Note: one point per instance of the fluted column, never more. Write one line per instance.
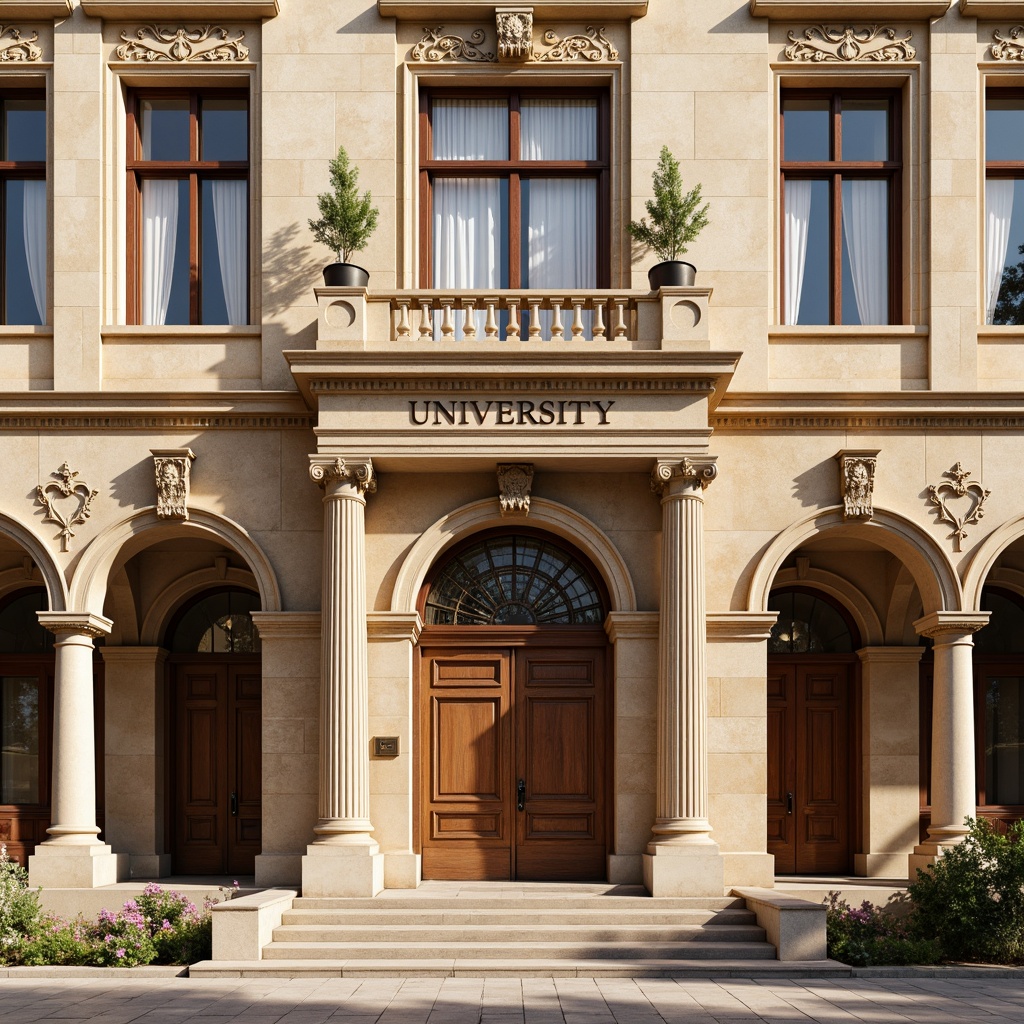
(953, 769)
(73, 856)
(682, 859)
(344, 791)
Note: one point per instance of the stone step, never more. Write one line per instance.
(594, 931)
(599, 904)
(517, 916)
(518, 951)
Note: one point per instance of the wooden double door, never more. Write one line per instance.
(513, 772)
(811, 777)
(215, 765)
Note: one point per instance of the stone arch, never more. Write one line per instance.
(557, 519)
(51, 576)
(163, 608)
(933, 573)
(851, 597)
(985, 557)
(115, 545)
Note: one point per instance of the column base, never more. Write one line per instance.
(402, 870)
(684, 869)
(71, 866)
(927, 853)
(342, 870)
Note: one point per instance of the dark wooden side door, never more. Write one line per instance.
(810, 780)
(216, 771)
(513, 774)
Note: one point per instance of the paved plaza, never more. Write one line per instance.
(165, 1000)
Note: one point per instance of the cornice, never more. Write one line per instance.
(75, 623)
(35, 9)
(992, 8)
(816, 10)
(463, 10)
(160, 9)
(739, 627)
(393, 627)
(288, 625)
(941, 624)
(632, 626)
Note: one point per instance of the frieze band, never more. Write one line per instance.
(507, 413)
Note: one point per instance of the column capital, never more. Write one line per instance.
(330, 472)
(75, 623)
(942, 624)
(676, 477)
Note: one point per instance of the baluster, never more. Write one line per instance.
(534, 319)
(577, 318)
(447, 326)
(620, 318)
(599, 319)
(557, 331)
(512, 332)
(404, 331)
(469, 320)
(426, 320)
(491, 327)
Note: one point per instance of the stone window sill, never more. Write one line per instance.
(817, 9)
(159, 335)
(219, 9)
(543, 10)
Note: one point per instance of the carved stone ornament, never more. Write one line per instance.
(514, 482)
(172, 468)
(67, 503)
(14, 48)
(181, 45)
(438, 47)
(857, 482)
(968, 498)
(515, 33)
(1011, 48)
(702, 471)
(845, 45)
(325, 471)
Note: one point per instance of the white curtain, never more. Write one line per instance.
(998, 214)
(865, 225)
(798, 219)
(34, 227)
(230, 213)
(558, 129)
(159, 237)
(470, 129)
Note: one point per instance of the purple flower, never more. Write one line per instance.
(120, 953)
(166, 926)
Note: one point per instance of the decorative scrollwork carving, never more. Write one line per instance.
(959, 487)
(14, 48)
(68, 505)
(1008, 48)
(436, 47)
(180, 45)
(594, 46)
(326, 472)
(821, 43)
(702, 471)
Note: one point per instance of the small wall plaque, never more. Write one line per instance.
(385, 746)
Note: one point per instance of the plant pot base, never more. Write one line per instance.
(672, 274)
(345, 275)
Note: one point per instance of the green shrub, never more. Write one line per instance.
(871, 935)
(972, 898)
(59, 943)
(19, 908)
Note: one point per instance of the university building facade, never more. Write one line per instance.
(507, 565)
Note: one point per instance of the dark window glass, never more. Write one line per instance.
(1004, 128)
(1004, 740)
(20, 631)
(807, 624)
(19, 740)
(25, 130)
(165, 129)
(224, 129)
(806, 130)
(219, 623)
(865, 129)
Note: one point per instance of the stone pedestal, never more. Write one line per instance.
(344, 859)
(682, 859)
(953, 762)
(73, 857)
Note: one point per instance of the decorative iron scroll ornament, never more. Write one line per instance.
(514, 482)
(968, 493)
(69, 505)
(327, 471)
(701, 470)
(14, 48)
(172, 468)
(181, 45)
(436, 47)
(515, 33)
(821, 43)
(857, 482)
(1009, 49)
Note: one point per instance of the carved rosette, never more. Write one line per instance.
(849, 44)
(67, 502)
(1010, 46)
(514, 482)
(702, 470)
(438, 47)
(857, 482)
(172, 471)
(182, 45)
(328, 472)
(969, 495)
(515, 33)
(14, 48)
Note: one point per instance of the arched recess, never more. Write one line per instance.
(933, 573)
(551, 516)
(154, 625)
(118, 543)
(853, 599)
(985, 557)
(52, 577)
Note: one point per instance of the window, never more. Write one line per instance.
(23, 208)
(188, 191)
(1004, 207)
(841, 167)
(514, 190)
(217, 623)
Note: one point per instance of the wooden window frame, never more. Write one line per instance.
(835, 171)
(514, 170)
(196, 171)
(1012, 169)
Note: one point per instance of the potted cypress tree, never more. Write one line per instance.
(676, 218)
(346, 222)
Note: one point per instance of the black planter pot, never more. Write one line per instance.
(345, 275)
(672, 274)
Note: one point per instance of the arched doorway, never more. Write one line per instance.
(214, 722)
(514, 687)
(812, 748)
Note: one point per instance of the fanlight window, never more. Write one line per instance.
(218, 623)
(514, 581)
(807, 625)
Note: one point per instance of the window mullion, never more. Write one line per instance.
(515, 231)
(836, 299)
(193, 253)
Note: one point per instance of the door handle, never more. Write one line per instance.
(789, 803)
(521, 795)
(234, 805)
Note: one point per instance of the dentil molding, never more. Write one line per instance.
(846, 45)
(798, 9)
(161, 9)
(16, 47)
(181, 45)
